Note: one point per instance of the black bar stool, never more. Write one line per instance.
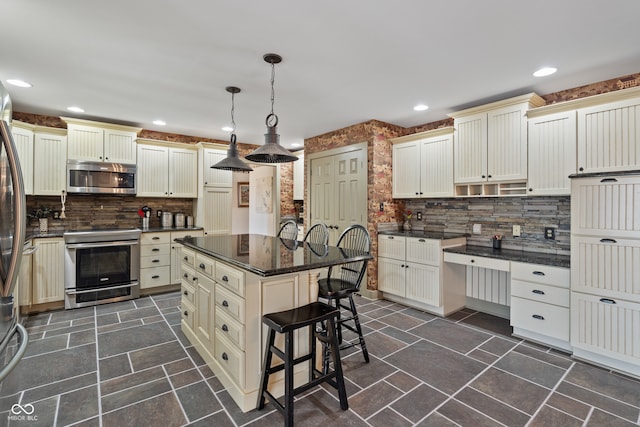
(287, 322)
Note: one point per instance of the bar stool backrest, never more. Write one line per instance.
(353, 237)
(318, 234)
(289, 230)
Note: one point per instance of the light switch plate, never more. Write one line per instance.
(477, 228)
(516, 231)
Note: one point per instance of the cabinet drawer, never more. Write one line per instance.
(539, 292)
(188, 293)
(157, 249)
(152, 277)
(154, 238)
(230, 359)
(187, 313)
(230, 303)
(230, 278)
(544, 319)
(392, 246)
(230, 328)
(188, 275)
(205, 265)
(188, 257)
(545, 274)
(477, 261)
(424, 251)
(155, 261)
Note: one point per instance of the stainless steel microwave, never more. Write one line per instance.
(100, 177)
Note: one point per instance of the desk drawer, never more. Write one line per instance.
(205, 265)
(230, 278)
(230, 359)
(230, 304)
(545, 274)
(477, 261)
(541, 293)
(230, 328)
(544, 319)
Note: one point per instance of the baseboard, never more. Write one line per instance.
(372, 294)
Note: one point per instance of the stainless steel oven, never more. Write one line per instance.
(101, 266)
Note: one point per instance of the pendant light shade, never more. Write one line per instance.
(272, 151)
(232, 162)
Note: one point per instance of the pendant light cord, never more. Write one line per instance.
(272, 119)
(233, 108)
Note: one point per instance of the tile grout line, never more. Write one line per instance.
(98, 387)
(173, 390)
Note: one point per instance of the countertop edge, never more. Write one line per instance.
(529, 257)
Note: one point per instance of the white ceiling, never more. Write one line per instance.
(345, 62)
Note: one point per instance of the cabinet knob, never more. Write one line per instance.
(539, 273)
(581, 169)
(530, 189)
(100, 157)
(186, 313)
(538, 291)
(607, 300)
(106, 158)
(194, 278)
(205, 183)
(225, 328)
(225, 303)
(225, 357)
(483, 176)
(538, 317)
(225, 278)
(201, 266)
(488, 176)
(185, 275)
(608, 241)
(186, 258)
(417, 193)
(421, 192)
(473, 260)
(186, 293)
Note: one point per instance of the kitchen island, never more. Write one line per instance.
(229, 282)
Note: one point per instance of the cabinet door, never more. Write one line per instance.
(321, 192)
(423, 283)
(50, 160)
(183, 173)
(507, 144)
(23, 138)
(298, 177)
(215, 177)
(552, 153)
(217, 210)
(608, 137)
(48, 270)
(24, 279)
(349, 190)
(205, 306)
(406, 170)
(391, 276)
(470, 149)
(85, 143)
(119, 146)
(436, 163)
(153, 163)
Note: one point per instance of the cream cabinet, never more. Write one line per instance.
(214, 210)
(490, 146)
(23, 138)
(423, 165)
(155, 259)
(167, 170)
(540, 301)
(48, 270)
(411, 271)
(552, 152)
(608, 139)
(298, 176)
(176, 252)
(101, 142)
(50, 160)
(25, 283)
(605, 260)
(213, 177)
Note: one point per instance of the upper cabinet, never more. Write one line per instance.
(210, 155)
(23, 134)
(552, 151)
(423, 164)
(490, 146)
(50, 161)
(298, 176)
(166, 169)
(101, 142)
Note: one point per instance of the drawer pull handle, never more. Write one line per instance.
(538, 291)
(537, 316)
(390, 237)
(194, 278)
(201, 266)
(539, 273)
(155, 250)
(225, 328)
(186, 313)
(155, 277)
(608, 180)
(421, 240)
(608, 241)
(225, 278)
(155, 238)
(607, 301)
(186, 293)
(225, 303)
(155, 260)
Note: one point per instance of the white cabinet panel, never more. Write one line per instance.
(507, 144)
(391, 246)
(217, 210)
(424, 251)
(23, 139)
(436, 160)
(423, 283)
(48, 270)
(487, 284)
(298, 177)
(545, 319)
(215, 177)
(406, 170)
(205, 309)
(152, 171)
(470, 149)
(101, 142)
(391, 276)
(183, 173)
(50, 160)
(119, 146)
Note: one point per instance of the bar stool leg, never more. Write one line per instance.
(288, 378)
(265, 368)
(356, 320)
(337, 364)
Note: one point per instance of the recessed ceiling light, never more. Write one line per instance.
(227, 128)
(19, 83)
(421, 107)
(159, 122)
(545, 71)
(75, 109)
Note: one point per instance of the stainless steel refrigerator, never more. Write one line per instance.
(12, 229)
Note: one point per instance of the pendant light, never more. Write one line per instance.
(271, 151)
(232, 162)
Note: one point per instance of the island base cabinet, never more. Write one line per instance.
(606, 332)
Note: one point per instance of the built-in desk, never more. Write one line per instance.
(229, 282)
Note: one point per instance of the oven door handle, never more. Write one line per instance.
(86, 291)
(101, 244)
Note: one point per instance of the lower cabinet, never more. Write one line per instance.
(411, 271)
(48, 270)
(540, 303)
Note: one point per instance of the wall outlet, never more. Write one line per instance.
(419, 216)
(516, 231)
(381, 207)
(477, 228)
(159, 213)
(550, 233)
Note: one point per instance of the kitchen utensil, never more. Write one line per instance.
(189, 221)
(167, 219)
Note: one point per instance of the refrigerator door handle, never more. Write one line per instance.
(23, 339)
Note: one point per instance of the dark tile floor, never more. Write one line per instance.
(129, 364)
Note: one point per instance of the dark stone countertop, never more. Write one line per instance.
(157, 229)
(604, 174)
(436, 235)
(270, 256)
(513, 255)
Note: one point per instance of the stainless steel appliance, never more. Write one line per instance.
(101, 266)
(12, 227)
(100, 177)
